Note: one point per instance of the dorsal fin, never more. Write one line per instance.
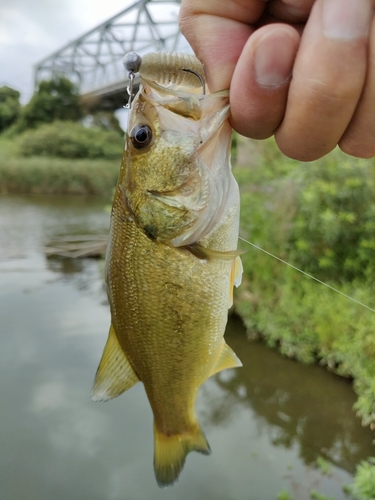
(227, 359)
(115, 374)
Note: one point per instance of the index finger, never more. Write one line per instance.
(217, 32)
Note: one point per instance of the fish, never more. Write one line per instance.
(172, 260)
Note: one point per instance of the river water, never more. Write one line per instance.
(267, 423)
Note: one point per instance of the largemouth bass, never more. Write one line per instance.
(171, 262)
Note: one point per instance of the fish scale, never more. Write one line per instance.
(171, 264)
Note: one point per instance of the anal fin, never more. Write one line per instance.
(226, 359)
(115, 375)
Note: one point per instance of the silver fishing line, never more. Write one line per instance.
(307, 274)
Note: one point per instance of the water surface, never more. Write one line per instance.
(267, 423)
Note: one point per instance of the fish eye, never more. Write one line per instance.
(141, 136)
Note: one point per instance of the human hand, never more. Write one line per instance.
(303, 70)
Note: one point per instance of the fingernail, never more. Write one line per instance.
(346, 19)
(274, 58)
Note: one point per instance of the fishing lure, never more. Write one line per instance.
(164, 69)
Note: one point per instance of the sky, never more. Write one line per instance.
(30, 30)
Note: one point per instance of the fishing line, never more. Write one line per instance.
(307, 274)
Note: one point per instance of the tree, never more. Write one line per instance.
(56, 99)
(105, 120)
(9, 107)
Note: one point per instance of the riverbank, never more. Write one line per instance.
(268, 433)
(54, 175)
(319, 217)
(43, 175)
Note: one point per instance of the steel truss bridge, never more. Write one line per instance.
(94, 61)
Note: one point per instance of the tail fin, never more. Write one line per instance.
(171, 451)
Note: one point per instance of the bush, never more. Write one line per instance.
(318, 217)
(9, 107)
(56, 99)
(364, 481)
(333, 233)
(58, 176)
(71, 140)
(105, 120)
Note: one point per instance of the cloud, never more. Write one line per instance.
(30, 31)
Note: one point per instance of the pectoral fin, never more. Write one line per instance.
(208, 253)
(227, 359)
(115, 375)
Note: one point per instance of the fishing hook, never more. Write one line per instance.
(201, 79)
(132, 62)
(163, 69)
(129, 90)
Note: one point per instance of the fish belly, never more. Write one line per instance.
(169, 311)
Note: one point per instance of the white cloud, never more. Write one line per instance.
(30, 31)
(74, 426)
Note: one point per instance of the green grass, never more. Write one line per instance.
(60, 158)
(38, 175)
(51, 175)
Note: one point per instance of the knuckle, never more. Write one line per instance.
(186, 17)
(335, 92)
(358, 148)
(300, 152)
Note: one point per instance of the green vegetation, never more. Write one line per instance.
(333, 233)
(58, 176)
(319, 217)
(105, 120)
(36, 142)
(54, 100)
(10, 107)
(364, 482)
(61, 158)
(284, 495)
(314, 495)
(323, 465)
(71, 140)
